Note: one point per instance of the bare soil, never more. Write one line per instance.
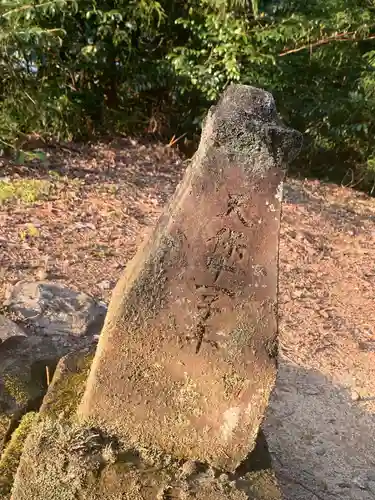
(321, 422)
(101, 200)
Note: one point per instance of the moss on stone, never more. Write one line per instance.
(28, 382)
(23, 380)
(28, 386)
(18, 388)
(61, 461)
(68, 384)
(4, 424)
(11, 456)
(66, 460)
(21, 393)
(260, 485)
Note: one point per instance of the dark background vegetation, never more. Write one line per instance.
(76, 69)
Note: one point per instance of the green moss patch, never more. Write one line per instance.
(12, 454)
(68, 385)
(17, 388)
(25, 190)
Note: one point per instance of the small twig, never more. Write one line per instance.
(63, 147)
(343, 179)
(29, 96)
(7, 144)
(354, 184)
(325, 41)
(287, 477)
(48, 376)
(173, 141)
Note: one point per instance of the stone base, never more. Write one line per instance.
(65, 460)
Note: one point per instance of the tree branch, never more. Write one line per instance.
(340, 37)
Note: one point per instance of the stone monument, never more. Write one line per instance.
(186, 360)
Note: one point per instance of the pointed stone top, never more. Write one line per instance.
(245, 123)
(250, 101)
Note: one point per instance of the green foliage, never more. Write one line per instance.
(317, 58)
(68, 64)
(73, 68)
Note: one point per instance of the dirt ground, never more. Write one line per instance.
(321, 421)
(91, 206)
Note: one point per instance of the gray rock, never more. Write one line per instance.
(9, 329)
(23, 377)
(54, 309)
(58, 321)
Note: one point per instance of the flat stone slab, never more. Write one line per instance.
(187, 357)
(68, 384)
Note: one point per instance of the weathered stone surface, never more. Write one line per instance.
(64, 461)
(54, 309)
(60, 403)
(68, 384)
(9, 329)
(57, 321)
(187, 357)
(23, 379)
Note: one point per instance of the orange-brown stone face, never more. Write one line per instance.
(187, 358)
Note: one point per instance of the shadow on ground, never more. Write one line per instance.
(321, 441)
